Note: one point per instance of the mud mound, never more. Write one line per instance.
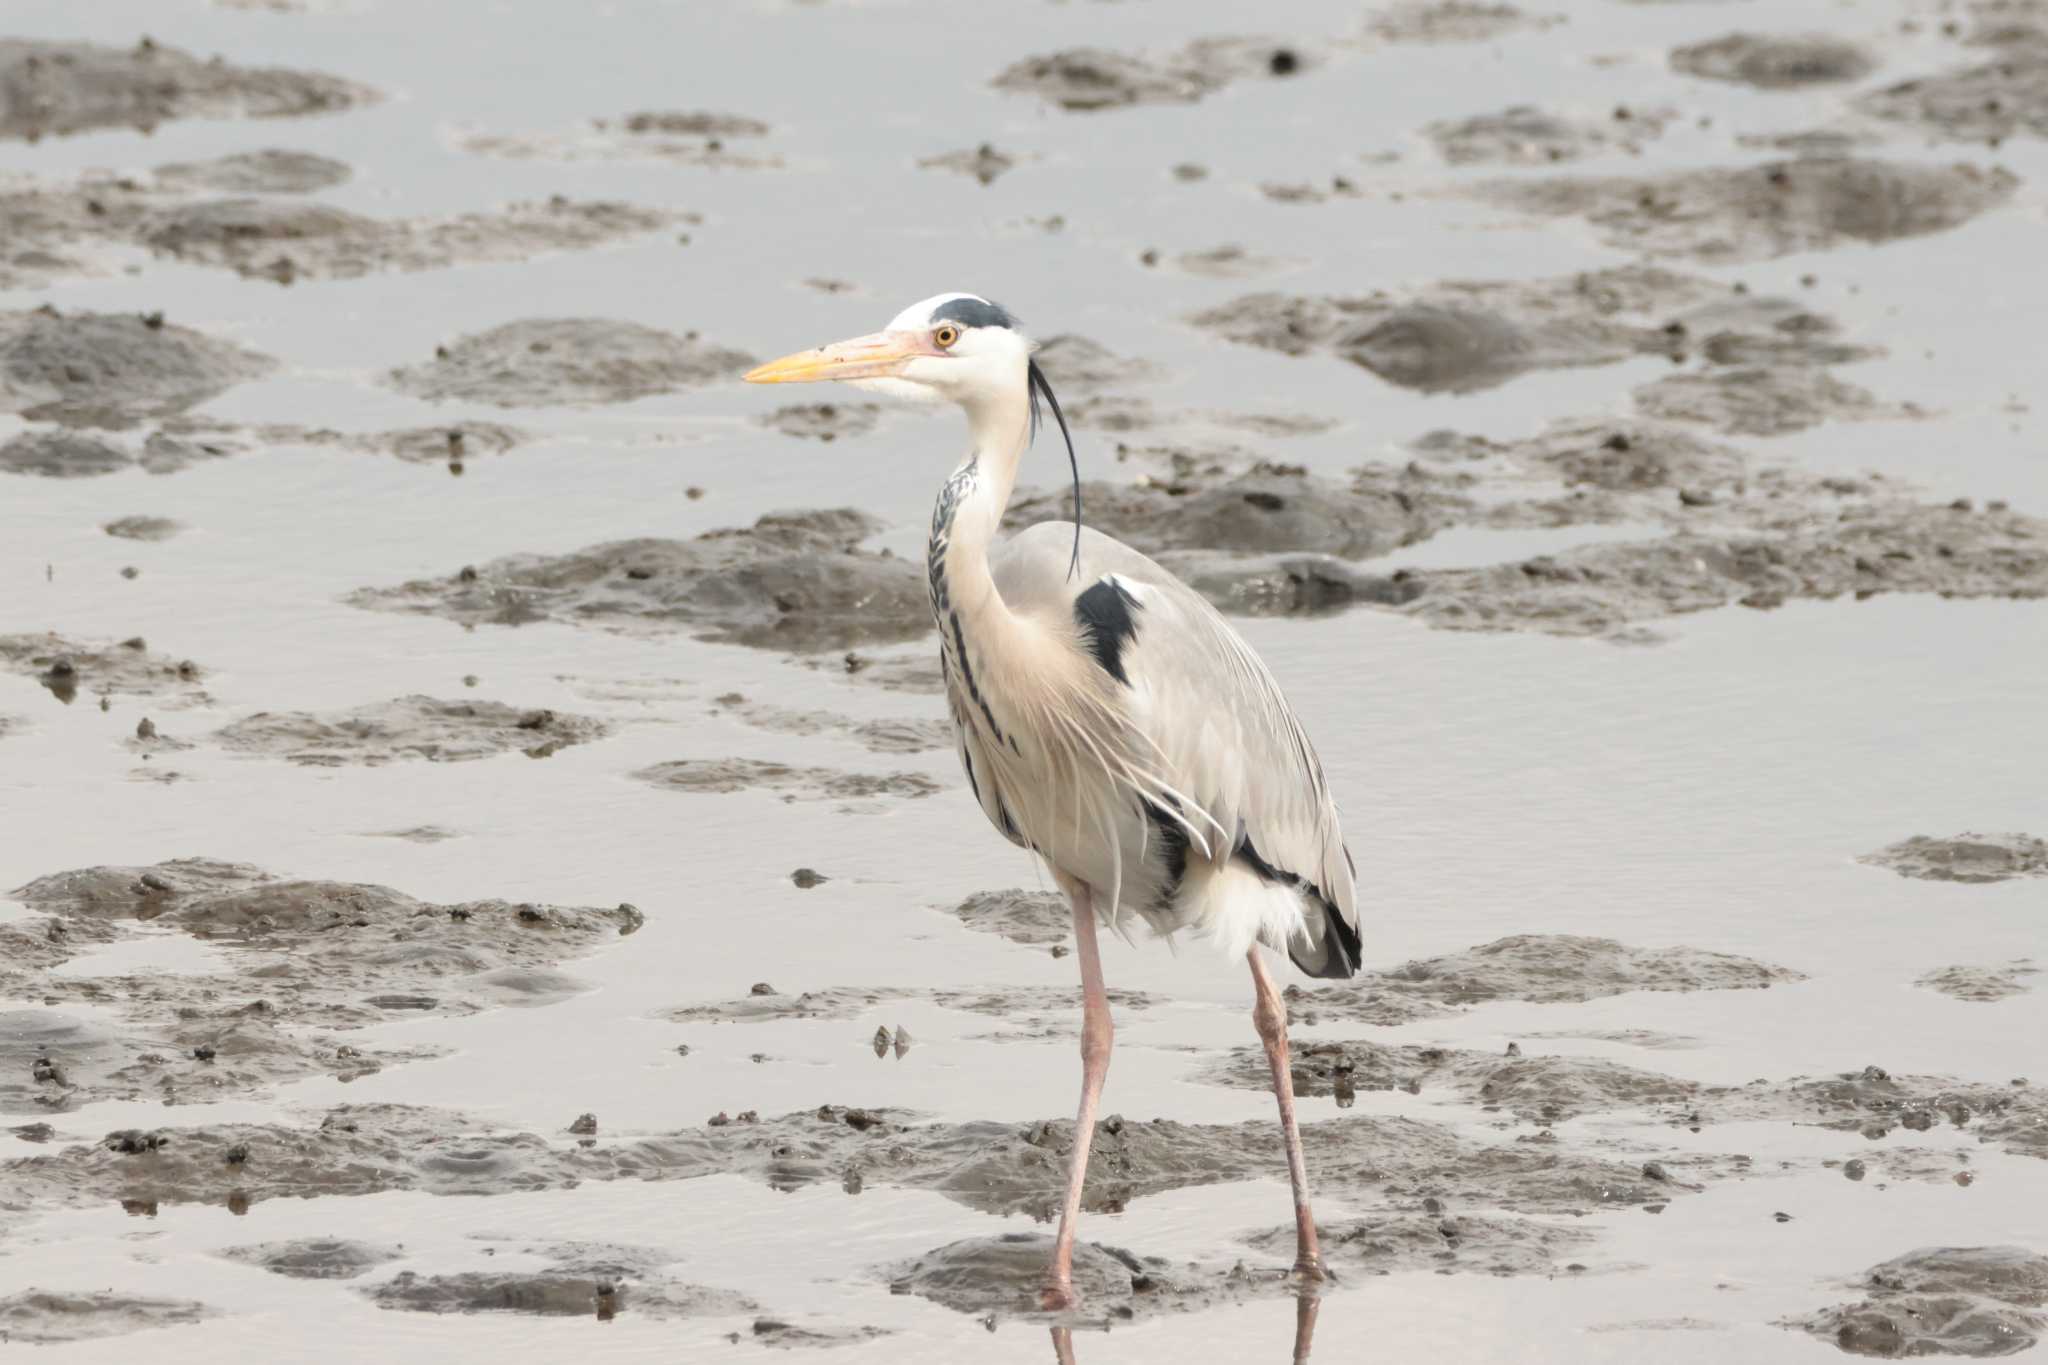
(1874, 1102)
(1778, 61)
(1981, 984)
(59, 454)
(1034, 917)
(42, 1317)
(67, 667)
(1965, 858)
(408, 727)
(722, 775)
(315, 1258)
(1523, 135)
(1758, 212)
(550, 362)
(55, 88)
(1453, 21)
(1087, 79)
(1462, 336)
(143, 528)
(1409, 1243)
(1000, 1276)
(1267, 509)
(793, 580)
(1760, 400)
(283, 240)
(1987, 103)
(876, 736)
(270, 171)
(555, 1294)
(112, 369)
(1959, 1301)
(823, 421)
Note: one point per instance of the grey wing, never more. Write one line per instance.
(1206, 705)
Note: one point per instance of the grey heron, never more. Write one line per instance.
(1109, 719)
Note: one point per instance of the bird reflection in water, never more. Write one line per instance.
(1306, 1305)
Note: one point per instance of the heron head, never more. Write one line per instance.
(952, 348)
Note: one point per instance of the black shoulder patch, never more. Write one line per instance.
(973, 312)
(1104, 614)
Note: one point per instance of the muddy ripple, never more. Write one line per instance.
(1981, 985)
(55, 88)
(793, 580)
(549, 362)
(1959, 1301)
(315, 1258)
(1974, 858)
(408, 727)
(42, 1317)
(1779, 61)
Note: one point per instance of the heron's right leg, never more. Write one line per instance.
(1096, 1035)
(1269, 1016)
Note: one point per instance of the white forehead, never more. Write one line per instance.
(919, 315)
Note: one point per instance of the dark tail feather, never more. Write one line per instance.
(1334, 953)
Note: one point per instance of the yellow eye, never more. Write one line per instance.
(945, 336)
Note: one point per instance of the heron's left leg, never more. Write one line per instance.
(1269, 1014)
(1097, 1032)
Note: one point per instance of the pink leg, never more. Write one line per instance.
(1063, 1346)
(1096, 1034)
(1269, 1014)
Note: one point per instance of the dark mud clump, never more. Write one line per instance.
(876, 736)
(1955, 1301)
(1775, 61)
(54, 88)
(1759, 212)
(284, 241)
(1442, 1244)
(1544, 968)
(315, 1258)
(1462, 336)
(270, 171)
(984, 163)
(408, 727)
(1039, 918)
(1974, 858)
(1523, 135)
(793, 580)
(56, 453)
(1268, 509)
(823, 421)
(1453, 21)
(1000, 1276)
(112, 369)
(1986, 103)
(723, 775)
(1760, 400)
(548, 362)
(68, 667)
(41, 1317)
(142, 528)
(1087, 79)
(1981, 985)
(298, 956)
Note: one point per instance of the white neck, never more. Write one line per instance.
(970, 506)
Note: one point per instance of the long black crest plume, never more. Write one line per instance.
(1037, 385)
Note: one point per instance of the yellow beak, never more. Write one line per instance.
(869, 357)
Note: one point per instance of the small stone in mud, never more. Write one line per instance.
(1032, 917)
(881, 1041)
(1973, 858)
(984, 163)
(111, 369)
(585, 1125)
(549, 362)
(805, 878)
(59, 87)
(1964, 1301)
(41, 1317)
(140, 528)
(408, 727)
(1778, 61)
(1089, 79)
(270, 171)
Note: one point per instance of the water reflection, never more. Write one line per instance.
(1306, 1305)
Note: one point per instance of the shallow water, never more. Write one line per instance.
(1711, 790)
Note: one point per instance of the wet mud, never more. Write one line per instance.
(47, 1317)
(1756, 400)
(1453, 21)
(69, 668)
(112, 369)
(999, 1277)
(1439, 1244)
(1974, 858)
(912, 736)
(823, 421)
(793, 580)
(316, 1258)
(582, 1281)
(1036, 918)
(408, 727)
(1942, 1301)
(551, 362)
(1983, 103)
(985, 163)
(1780, 61)
(1759, 212)
(719, 776)
(677, 137)
(1981, 984)
(52, 89)
(1092, 79)
(270, 171)
(1524, 135)
(143, 528)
